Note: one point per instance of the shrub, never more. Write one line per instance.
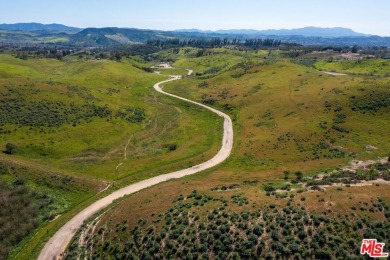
(322, 254)
(340, 118)
(172, 147)
(3, 169)
(203, 84)
(340, 129)
(209, 101)
(299, 175)
(268, 188)
(10, 148)
(286, 174)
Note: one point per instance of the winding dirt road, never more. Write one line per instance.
(334, 73)
(57, 244)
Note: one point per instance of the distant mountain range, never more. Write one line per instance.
(306, 31)
(114, 36)
(35, 33)
(37, 27)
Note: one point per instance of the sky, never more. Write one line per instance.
(364, 16)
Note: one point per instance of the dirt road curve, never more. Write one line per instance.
(58, 243)
(334, 73)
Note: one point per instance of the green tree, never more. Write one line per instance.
(299, 175)
(118, 56)
(10, 148)
(286, 174)
(323, 254)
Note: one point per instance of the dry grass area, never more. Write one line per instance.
(144, 217)
(334, 201)
(340, 200)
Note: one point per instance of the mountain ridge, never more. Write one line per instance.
(113, 36)
(37, 27)
(309, 31)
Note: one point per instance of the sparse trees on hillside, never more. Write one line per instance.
(218, 42)
(191, 231)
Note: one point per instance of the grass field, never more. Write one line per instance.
(286, 117)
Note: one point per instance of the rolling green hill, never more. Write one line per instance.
(74, 130)
(55, 111)
(285, 110)
(76, 127)
(282, 193)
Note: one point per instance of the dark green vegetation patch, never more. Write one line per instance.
(21, 211)
(30, 198)
(373, 101)
(48, 113)
(15, 109)
(267, 233)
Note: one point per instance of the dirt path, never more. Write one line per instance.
(57, 244)
(334, 73)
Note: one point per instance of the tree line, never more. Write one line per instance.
(218, 42)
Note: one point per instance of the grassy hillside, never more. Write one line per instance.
(376, 67)
(210, 62)
(275, 197)
(289, 115)
(81, 116)
(94, 122)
